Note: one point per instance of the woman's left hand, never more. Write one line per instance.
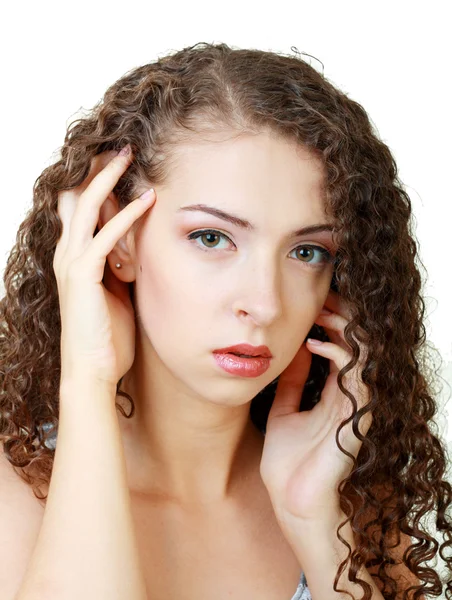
(301, 465)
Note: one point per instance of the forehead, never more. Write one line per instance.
(262, 160)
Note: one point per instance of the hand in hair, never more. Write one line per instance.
(97, 317)
(301, 463)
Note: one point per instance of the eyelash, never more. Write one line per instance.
(327, 257)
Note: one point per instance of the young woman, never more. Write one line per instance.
(251, 213)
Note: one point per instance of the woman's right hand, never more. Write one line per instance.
(97, 322)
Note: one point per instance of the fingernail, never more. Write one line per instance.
(315, 342)
(147, 195)
(125, 151)
(325, 311)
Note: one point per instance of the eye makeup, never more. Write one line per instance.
(326, 257)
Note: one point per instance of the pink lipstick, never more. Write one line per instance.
(243, 360)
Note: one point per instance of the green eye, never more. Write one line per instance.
(325, 255)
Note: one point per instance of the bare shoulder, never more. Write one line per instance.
(21, 516)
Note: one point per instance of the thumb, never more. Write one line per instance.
(291, 383)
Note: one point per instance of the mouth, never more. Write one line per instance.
(246, 351)
(235, 362)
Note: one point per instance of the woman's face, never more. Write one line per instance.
(257, 284)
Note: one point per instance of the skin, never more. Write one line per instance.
(191, 440)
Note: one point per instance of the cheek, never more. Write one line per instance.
(307, 294)
(173, 309)
(170, 300)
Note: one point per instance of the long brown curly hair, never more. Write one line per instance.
(199, 88)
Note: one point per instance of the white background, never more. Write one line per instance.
(392, 57)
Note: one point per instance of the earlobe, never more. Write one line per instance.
(120, 255)
(124, 272)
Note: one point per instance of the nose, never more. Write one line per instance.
(259, 295)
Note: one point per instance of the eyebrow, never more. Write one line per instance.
(244, 224)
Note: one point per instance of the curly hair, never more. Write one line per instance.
(198, 89)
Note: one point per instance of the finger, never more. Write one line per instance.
(290, 384)
(68, 199)
(98, 162)
(104, 242)
(86, 215)
(335, 326)
(336, 303)
(66, 209)
(339, 358)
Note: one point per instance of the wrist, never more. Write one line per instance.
(308, 530)
(82, 385)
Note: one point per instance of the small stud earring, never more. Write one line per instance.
(118, 265)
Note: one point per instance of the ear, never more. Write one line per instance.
(120, 253)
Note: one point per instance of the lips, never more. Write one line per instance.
(245, 350)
